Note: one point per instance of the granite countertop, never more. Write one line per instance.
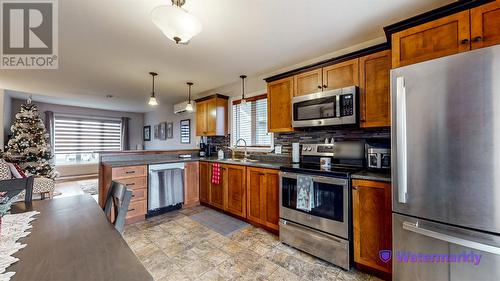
(371, 175)
(259, 164)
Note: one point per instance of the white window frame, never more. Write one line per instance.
(232, 140)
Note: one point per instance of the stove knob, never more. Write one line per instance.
(304, 148)
(309, 148)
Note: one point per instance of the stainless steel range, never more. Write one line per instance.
(323, 227)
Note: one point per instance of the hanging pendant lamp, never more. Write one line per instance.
(189, 105)
(243, 99)
(152, 99)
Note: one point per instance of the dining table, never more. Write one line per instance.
(72, 240)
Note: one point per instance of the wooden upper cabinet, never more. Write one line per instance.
(235, 190)
(308, 82)
(485, 25)
(374, 79)
(442, 37)
(204, 182)
(341, 75)
(191, 184)
(201, 118)
(263, 196)
(211, 116)
(279, 105)
(372, 222)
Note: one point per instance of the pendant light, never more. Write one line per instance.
(243, 99)
(175, 22)
(152, 99)
(189, 105)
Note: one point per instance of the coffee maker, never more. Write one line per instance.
(206, 149)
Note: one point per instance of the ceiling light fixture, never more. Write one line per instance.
(243, 99)
(189, 105)
(175, 22)
(152, 99)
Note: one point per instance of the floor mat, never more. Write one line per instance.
(219, 222)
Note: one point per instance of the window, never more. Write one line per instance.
(76, 138)
(249, 122)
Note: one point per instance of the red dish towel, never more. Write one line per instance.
(215, 173)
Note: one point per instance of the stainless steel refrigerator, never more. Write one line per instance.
(446, 168)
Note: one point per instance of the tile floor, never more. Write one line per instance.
(175, 247)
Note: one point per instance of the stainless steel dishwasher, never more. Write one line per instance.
(165, 188)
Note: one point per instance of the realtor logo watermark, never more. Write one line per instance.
(413, 257)
(29, 37)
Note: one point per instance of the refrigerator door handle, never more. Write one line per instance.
(402, 169)
(414, 227)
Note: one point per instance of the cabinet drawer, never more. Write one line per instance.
(135, 183)
(129, 172)
(139, 194)
(137, 208)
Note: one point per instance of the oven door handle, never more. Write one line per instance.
(320, 179)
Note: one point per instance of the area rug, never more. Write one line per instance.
(89, 186)
(219, 222)
(14, 227)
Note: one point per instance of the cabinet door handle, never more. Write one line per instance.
(131, 184)
(478, 39)
(464, 41)
(131, 210)
(319, 87)
(130, 172)
(355, 187)
(325, 86)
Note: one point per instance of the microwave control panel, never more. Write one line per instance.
(346, 105)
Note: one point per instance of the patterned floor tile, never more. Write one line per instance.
(175, 247)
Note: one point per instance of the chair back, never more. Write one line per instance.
(15, 186)
(117, 202)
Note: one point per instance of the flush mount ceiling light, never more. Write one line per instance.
(189, 105)
(243, 99)
(152, 99)
(175, 22)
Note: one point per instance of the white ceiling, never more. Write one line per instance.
(108, 47)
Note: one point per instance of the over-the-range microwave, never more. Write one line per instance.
(334, 107)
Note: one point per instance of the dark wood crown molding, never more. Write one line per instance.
(435, 14)
(339, 59)
(211, 97)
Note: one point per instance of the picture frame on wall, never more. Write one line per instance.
(185, 131)
(157, 132)
(170, 130)
(146, 134)
(163, 131)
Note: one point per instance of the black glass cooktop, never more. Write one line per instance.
(309, 168)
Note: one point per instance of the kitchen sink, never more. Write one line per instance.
(244, 160)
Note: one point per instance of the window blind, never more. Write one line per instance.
(74, 134)
(250, 122)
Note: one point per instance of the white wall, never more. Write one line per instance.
(135, 124)
(165, 113)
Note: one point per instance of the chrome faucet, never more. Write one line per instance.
(245, 142)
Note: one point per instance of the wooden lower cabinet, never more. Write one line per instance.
(372, 223)
(235, 189)
(191, 184)
(263, 196)
(216, 190)
(204, 182)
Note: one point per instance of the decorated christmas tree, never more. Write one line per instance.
(29, 145)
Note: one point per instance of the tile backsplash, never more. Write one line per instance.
(309, 135)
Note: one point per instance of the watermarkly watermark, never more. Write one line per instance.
(29, 37)
(469, 257)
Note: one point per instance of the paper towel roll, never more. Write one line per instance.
(295, 152)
